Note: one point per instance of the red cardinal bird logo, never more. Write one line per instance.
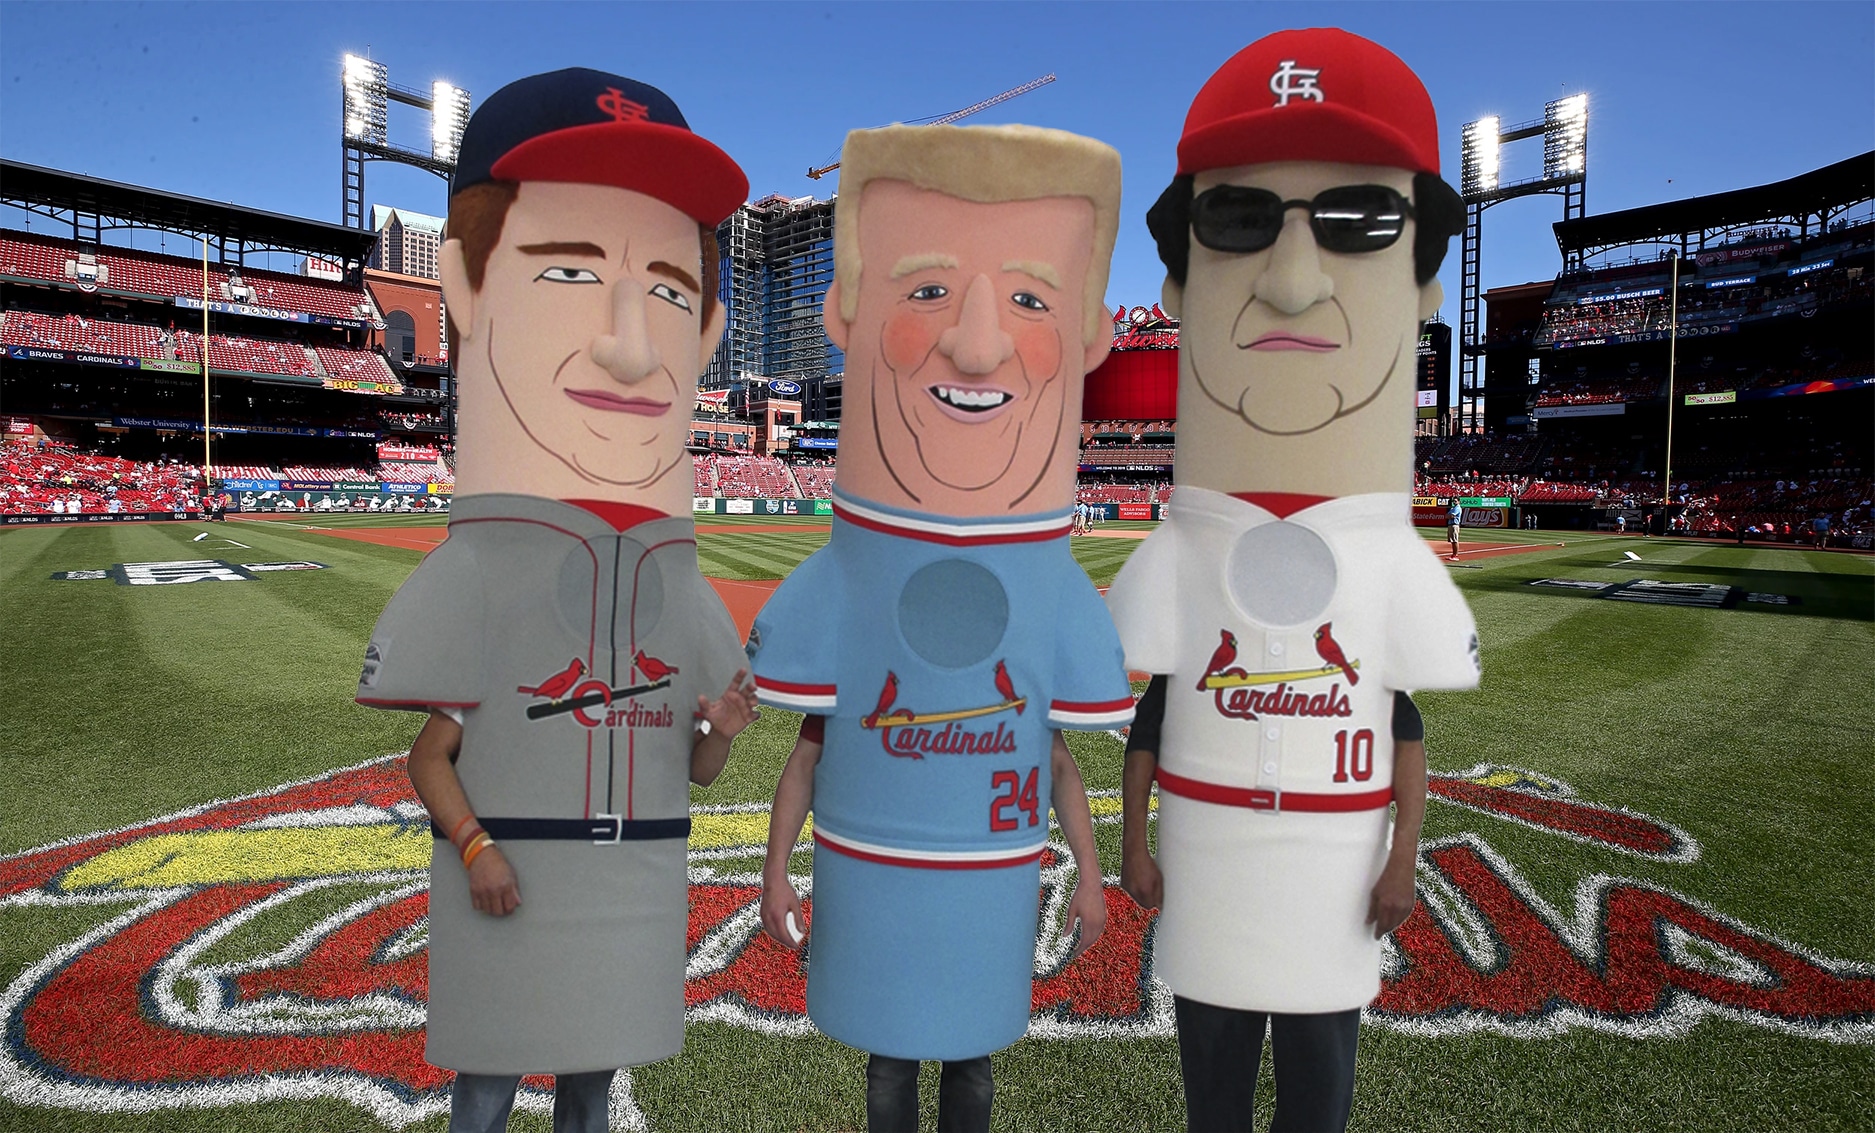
(651, 667)
(560, 683)
(1220, 660)
(887, 694)
(1331, 653)
(1007, 687)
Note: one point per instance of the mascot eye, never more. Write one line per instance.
(665, 292)
(567, 275)
(931, 292)
(1026, 299)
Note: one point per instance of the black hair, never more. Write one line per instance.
(1439, 216)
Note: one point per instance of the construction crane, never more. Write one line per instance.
(957, 115)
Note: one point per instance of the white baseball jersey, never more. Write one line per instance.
(1283, 641)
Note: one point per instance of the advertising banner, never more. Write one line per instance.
(379, 387)
(102, 517)
(1611, 296)
(37, 354)
(394, 450)
(817, 442)
(1485, 501)
(355, 485)
(1798, 389)
(1724, 397)
(233, 485)
(441, 489)
(404, 489)
(17, 425)
(1733, 255)
(739, 507)
(823, 507)
(1134, 511)
(168, 366)
(306, 485)
(1487, 517)
(250, 309)
(703, 503)
(1604, 409)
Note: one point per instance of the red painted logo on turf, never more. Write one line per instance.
(272, 947)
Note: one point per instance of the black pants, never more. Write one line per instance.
(965, 1090)
(1219, 1049)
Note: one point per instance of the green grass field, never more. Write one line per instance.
(1747, 728)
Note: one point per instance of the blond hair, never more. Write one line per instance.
(985, 164)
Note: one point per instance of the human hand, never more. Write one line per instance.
(735, 710)
(779, 903)
(1140, 877)
(1393, 897)
(1089, 907)
(492, 887)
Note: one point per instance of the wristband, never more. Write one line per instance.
(479, 842)
(457, 832)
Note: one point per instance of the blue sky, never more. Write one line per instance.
(240, 102)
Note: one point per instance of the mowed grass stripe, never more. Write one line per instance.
(131, 701)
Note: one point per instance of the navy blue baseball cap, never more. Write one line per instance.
(592, 128)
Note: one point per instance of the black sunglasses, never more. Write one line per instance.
(1347, 219)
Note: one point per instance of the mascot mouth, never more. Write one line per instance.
(968, 401)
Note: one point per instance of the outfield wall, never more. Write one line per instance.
(100, 517)
(717, 505)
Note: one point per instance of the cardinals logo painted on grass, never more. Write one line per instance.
(271, 947)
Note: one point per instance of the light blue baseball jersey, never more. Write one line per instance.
(943, 652)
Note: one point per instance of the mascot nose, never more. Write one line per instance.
(627, 353)
(977, 344)
(1293, 280)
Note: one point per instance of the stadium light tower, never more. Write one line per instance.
(365, 128)
(1564, 128)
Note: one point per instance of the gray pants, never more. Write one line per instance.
(479, 1103)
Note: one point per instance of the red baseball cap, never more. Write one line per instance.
(595, 128)
(1315, 94)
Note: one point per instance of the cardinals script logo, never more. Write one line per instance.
(570, 691)
(913, 735)
(1244, 695)
(272, 947)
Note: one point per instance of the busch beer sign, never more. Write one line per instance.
(273, 947)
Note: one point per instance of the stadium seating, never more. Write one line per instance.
(816, 480)
(343, 363)
(33, 476)
(70, 332)
(759, 476)
(164, 277)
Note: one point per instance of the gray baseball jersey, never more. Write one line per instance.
(574, 654)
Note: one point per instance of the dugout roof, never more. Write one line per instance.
(1820, 191)
(39, 189)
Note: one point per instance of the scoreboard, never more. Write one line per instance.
(1434, 372)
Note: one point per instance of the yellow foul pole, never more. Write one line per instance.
(207, 465)
(1673, 356)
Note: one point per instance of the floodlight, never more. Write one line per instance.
(1565, 136)
(366, 103)
(1478, 161)
(449, 113)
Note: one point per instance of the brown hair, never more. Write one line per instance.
(476, 217)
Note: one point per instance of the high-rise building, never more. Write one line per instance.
(777, 261)
(407, 241)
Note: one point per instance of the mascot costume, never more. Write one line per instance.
(579, 671)
(945, 633)
(1287, 597)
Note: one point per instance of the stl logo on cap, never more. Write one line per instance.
(1291, 81)
(622, 109)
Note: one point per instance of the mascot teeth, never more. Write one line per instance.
(970, 400)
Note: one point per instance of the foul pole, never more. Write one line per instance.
(1673, 355)
(207, 465)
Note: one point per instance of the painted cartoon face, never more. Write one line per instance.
(1294, 336)
(967, 339)
(587, 321)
